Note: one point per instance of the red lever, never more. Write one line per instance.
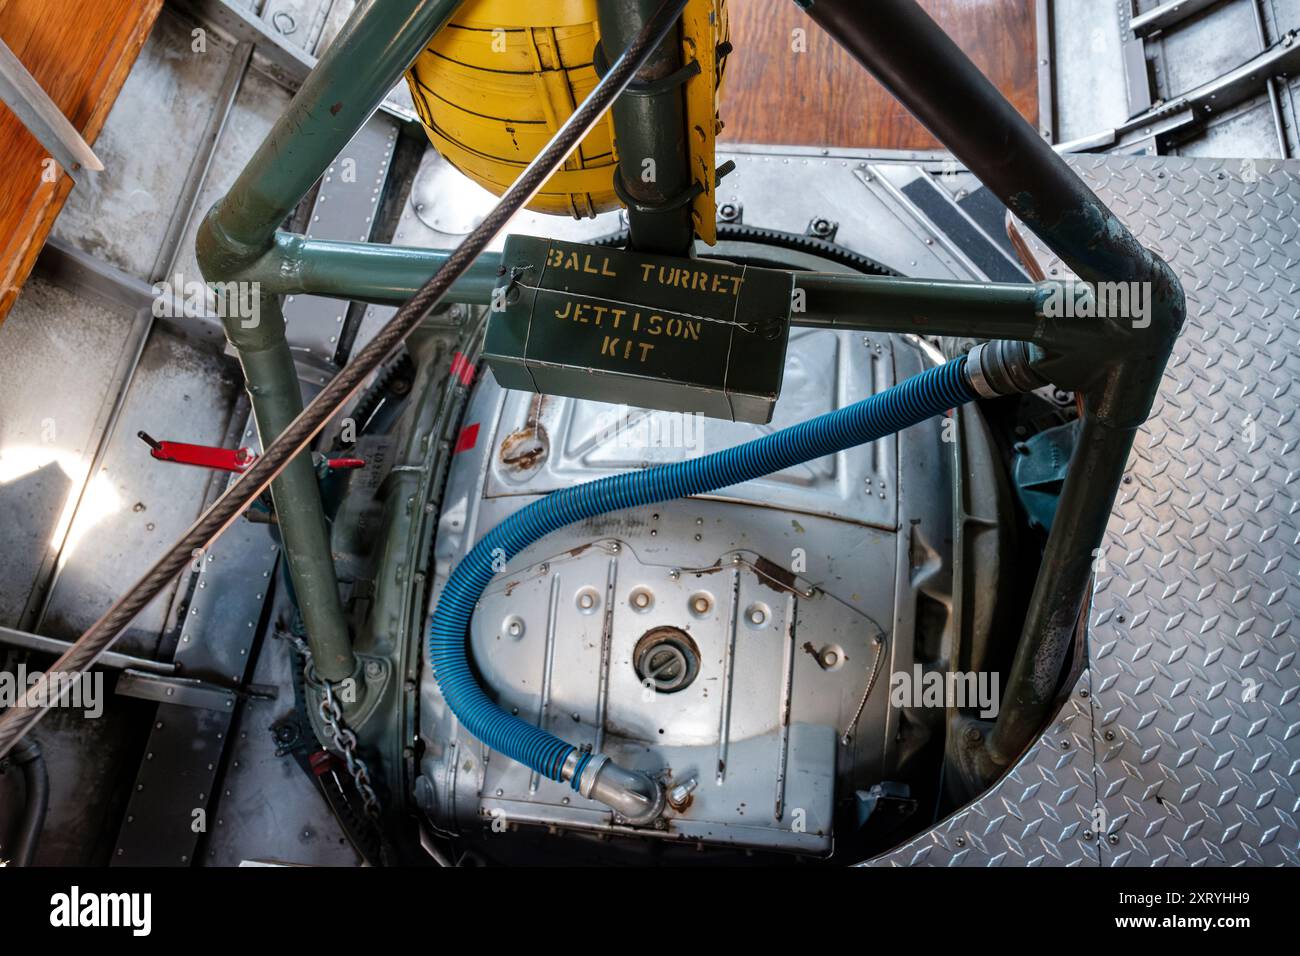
(204, 456)
(221, 459)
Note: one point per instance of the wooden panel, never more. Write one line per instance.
(80, 53)
(822, 97)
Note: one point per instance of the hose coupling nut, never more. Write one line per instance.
(1002, 367)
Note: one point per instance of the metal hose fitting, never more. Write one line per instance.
(1003, 367)
(637, 798)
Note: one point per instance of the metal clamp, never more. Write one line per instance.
(651, 87)
(635, 797)
(684, 198)
(1003, 367)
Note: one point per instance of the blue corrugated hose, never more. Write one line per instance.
(923, 396)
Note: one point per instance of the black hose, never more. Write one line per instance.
(27, 755)
(761, 235)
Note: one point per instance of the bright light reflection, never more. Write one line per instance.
(99, 501)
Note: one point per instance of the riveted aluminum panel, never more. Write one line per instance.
(824, 371)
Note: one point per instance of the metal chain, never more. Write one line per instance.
(345, 741)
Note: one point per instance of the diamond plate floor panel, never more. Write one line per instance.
(1186, 750)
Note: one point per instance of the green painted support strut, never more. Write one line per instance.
(368, 57)
(365, 61)
(277, 399)
(389, 275)
(650, 136)
(1005, 310)
(363, 271)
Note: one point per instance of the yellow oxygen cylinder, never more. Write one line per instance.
(503, 76)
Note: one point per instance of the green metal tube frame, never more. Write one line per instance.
(650, 128)
(1115, 365)
(377, 44)
(389, 275)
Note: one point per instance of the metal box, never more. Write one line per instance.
(679, 335)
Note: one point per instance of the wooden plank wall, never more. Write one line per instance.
(80, 52)
(822, 97)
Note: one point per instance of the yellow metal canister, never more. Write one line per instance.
(499, 80)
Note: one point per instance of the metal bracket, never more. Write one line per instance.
(186, 691)
(672, 81)
(111, 659)
(374, 673)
